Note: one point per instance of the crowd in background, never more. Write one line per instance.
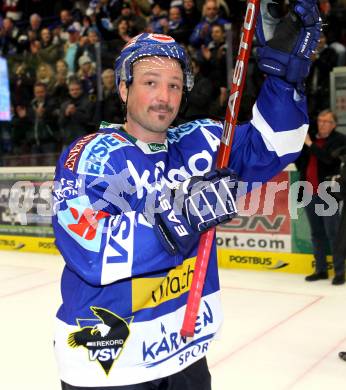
(61, 63)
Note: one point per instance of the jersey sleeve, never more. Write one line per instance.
(101, 237)
(275, 135)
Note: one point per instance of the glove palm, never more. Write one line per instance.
(286, 44)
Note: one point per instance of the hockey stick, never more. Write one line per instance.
(224, 152)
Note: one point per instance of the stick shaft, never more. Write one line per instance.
(206, 240)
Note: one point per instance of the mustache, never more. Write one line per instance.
(163, 107)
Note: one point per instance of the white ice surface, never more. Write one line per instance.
(279, 333)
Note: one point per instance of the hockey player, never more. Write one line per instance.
(131, 201)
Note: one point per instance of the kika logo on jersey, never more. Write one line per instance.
(87, 224)
(105, 340)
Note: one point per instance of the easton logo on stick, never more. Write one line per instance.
(239, 72)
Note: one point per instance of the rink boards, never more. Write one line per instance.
(270, 234)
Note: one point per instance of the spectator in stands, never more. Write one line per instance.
(89, 46)
(91, 10)
(31, 58)
(111, 105)
(157, 20)
(60, 90)
(61, 67)
(191, 15)
(49, 52)
(34, 30)
(333, 22)
(201, 34)
(214, 55)
(201, 95)
(43, 133)
(123, 30)
(106, 9)
(22, 47)
(9, 34)
(91, 14)
(83, 43)
(66, 21)
(20, 126)
(316, 165)
(87, 76)
(75, 114)
(21, 86)
(137, 23)
(111, 48)
(87, 25)
(72, 46)
(318, 82)
(104, 25)
(34, 129)
(45, 75)
(176, 27)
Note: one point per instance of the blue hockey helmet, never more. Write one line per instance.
(149, 45)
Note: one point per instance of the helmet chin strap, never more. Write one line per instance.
(124, 105)
(184, 103)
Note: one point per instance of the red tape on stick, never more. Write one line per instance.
(206, 240)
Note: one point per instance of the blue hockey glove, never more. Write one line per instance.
(199, 203)
(287, 43)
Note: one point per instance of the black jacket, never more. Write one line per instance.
(327, 164)
(79, 123)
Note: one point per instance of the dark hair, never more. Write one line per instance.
(74, 80)
(222, 27)
(40, 84)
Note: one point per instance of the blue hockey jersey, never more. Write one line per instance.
(123, 295)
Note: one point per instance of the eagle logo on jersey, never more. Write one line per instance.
(105, 340)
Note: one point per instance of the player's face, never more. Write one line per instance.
(153, 98)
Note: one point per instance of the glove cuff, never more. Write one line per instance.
(175, 234)
(288, 66)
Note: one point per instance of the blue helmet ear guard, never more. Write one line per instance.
(149, 45)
